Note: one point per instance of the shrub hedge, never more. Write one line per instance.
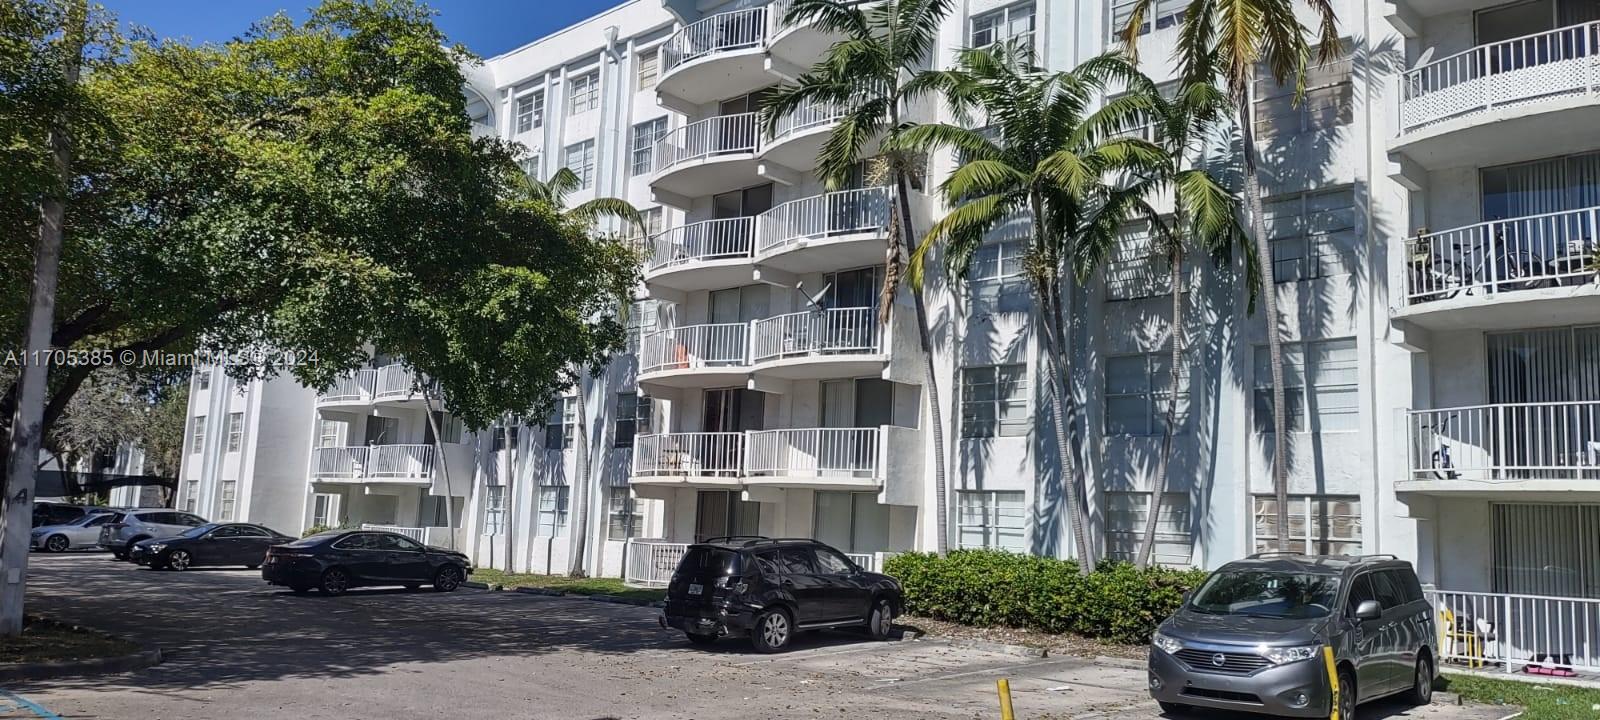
(1117, 602)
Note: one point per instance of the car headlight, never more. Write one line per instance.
(1284, 655)
(1167, 645)
(156, 547)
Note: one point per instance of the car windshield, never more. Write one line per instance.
(316, 539)
(195, 532)
(709, 562)
(1266, 593)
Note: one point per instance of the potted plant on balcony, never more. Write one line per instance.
(1593, 265)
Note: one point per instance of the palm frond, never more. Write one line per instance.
(961, 230)
(611, 207)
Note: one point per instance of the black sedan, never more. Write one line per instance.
(210, 544)
(336, 561)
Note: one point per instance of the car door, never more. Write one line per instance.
(253, 541)
(404, 559)
(359, 553)
(1395, 616)
(88, 532)
(1367, 640)
(844, 591)
(1416, 622)
(218, 547)
(801, 580)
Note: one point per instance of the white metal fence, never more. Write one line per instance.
(394, 381)
(650, 563)
(702, 242)
(723, 32)
(1503, 256)
(811, 115)
(837, 213)
(836, 330)
(1520, 70)
(1515, 631)
(694, 454)
(813, 452)
(693, 346)
(373, 462)
(415, 533)
(1506, 442)
(338, 462)
(711, 137)
(356, 387)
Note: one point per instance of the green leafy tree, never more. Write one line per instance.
(872, 75)
(1228, 42)
(1050, 156)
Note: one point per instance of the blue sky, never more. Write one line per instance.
(487, 27)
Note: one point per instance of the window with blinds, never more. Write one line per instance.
(1313, 235)
(1138, 268)
(1160, 14)
(1138, 389)
(991, 520)
(1545, 549)
(1126, 515)
(1328, 101)
(1318, 524)
(1319, 386)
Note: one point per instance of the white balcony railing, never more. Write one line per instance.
(355, 388)
(693, 347)
(1502, 256)
(704, 241)
(1513, 631)
(650, 563)
(845, 212)
(394, 381)
(415, 533)
(723, 32)
(806, 117)
(338, 462)
(1506, 442)
(1564, 61)
(373, 462)
(833, 331)
(693, 454)
(709, 138)
(813, 452)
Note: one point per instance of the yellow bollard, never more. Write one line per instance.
(1005, 699)
(1333, 680)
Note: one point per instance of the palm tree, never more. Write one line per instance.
(1056, 160)
(1205, 217)
(1234, 38)
(871, 75)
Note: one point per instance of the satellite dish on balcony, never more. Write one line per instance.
(814, 301)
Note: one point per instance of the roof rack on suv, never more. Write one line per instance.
(727, 538)
(1374, 556)
(1272, 553)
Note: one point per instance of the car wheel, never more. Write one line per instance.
(1172, 709)
(119, 555)
(772, 631)
(1422, 682)
(699, 639)
(334, 582)
(1347, 695)
(447, 579)
(881, 621)
(179, 560)
(57, 543)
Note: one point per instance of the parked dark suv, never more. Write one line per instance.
(771, 588)
(1251, 638)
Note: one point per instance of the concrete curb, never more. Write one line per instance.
(1018, 650)
(94, 666)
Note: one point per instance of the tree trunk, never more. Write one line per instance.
(1158, 485)
(444, 465)
(16, 503)
(580, 498)
(1269, 304)
(929, 369)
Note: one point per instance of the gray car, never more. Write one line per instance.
(1252, 637)
(81, 533)
(119, 535)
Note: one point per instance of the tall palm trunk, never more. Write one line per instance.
(1158, 484)
(929, 368)
(580, 498)
(1269, 298)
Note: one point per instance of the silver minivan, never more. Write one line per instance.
(1251, 638)
(120, 535)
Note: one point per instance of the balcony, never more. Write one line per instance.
(1490, 449)
(839, 342)
(1526, 629)
(707, 157)
(798, 136)
(397, 384)
(354, 389)
(720, 56)
(886, 459)
(800, 44)
(824, 232)
(1480, 107)
(695, 356)
(1500, 274)
(373, 463)
(693, 458)
(702, 256)
(651, 563)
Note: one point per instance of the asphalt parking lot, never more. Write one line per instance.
(239, 648)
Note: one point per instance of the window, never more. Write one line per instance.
(641, 320)
(1138, 389)
(202, 380)
(191, 495)
(1313, 235)
(645, 136)
(1005, 24)
(235, 431)
(579, 158)
(1318, 524)
(552, 511)
(1544, 549)
(633, 418)
(530, 165)
(649, 68)
(994, 401)
(328, 432)
(797, 561)
(1165, 13)
(1126, 514)
(1326, 104)
(197, 435)
(1138, 267)
(995, 277)
(830, 562)
(558, 426)
(1331, 405)
(624, 519)
(850, 521)
(989, 519)
(494, 510)
(655, 221)
(226, 511)
(325, 510)
(530, 111)
(585, 92)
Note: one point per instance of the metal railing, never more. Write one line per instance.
(704, 241)
(1521, 253)
(723, 32)
(692, 454)
(372, 462)
(651, 563)
(808, 452)
(693, 346)
(836, 330)
(810, 115)
(415, 533)
(1506, 442)
(338, 462)
(356, 387)
(1557, 62)
(844, 212)
(394, 381)
(1514, 631)
(709, 138)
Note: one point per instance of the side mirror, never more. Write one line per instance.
(1369, 610)
(1186, 595)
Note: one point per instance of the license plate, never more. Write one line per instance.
(696, 588)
